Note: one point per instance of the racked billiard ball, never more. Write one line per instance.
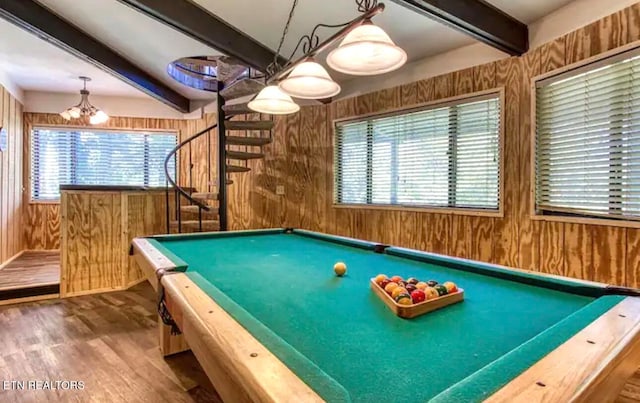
(431, 293)
(410, 287)
(390, 287)
(397, 291)
(432, 283)
(402, 283)
(379, 278)
(384, 283)
(412, 280)
(421, 285)
(396, 279)
(450, 286)
(404, 299)
(418, 296)
(442, 290)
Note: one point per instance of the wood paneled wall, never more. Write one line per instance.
(11, 236)
(97, 230)
(42, 220)
(301, 159)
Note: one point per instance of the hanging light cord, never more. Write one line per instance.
(309, 41)
(275, 66)
(366, 5)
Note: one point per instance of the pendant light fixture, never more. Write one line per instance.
(309, 80)
(84, 108)
(367, 50)
(273, 101)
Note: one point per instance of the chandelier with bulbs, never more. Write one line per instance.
(84, 109)
(365, 50)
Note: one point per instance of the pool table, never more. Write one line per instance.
(268, 320)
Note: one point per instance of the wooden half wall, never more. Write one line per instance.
(301, 159)
(42, 219)
(11, 207)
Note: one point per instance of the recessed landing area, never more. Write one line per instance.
(32, 275)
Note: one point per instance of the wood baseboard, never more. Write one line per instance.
(29, 299)
(11, 259)
(89, 292)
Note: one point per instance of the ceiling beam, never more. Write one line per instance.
(477, 18)
(39, 20)
(196, 22)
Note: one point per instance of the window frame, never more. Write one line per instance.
(582, 66)
(28, 135)
(499, 92)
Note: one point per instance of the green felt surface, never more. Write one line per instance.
(337, 335)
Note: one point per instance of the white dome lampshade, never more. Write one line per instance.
(367, 50)
(65, 114)
(273, 101)
(309, 80)
(74, 112)
(98, 118)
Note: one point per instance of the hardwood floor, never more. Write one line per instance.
(109, 341)
(31, 269)
(631, 391)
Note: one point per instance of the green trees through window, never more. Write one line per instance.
(64, 156)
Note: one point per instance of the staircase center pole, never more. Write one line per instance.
(222, 163)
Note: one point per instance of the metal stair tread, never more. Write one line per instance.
(247, 141)
(230, 70)
(205, 195)
(242, 88)
(237, 109)
(242, 155)
(194, 209)
(237, 168)
(249, 125)
(196, 223)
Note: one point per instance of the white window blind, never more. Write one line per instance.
(81, 157)
(444, 156)
(588, 142)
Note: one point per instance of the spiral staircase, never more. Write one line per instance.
(240, 138)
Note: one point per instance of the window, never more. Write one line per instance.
(447, 155)
(588, 141)
(79, 157)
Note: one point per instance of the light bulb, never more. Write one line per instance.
(66, 115)
(273, 101)
(309, 80)
(101, 116)
(367, 50)
(74, 112)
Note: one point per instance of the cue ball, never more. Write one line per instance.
(340, 269)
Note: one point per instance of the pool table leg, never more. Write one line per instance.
(170, 344)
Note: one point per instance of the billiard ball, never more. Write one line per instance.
(450, 286)
(432, 283)
(421, 285)
(410, 287)
(397, 291)
(404, 299)
(412, 280)
(402, 283)
(396, 279)
(418, 296)
(340, 269)
(390, 287)
(379, 278)
(431, 293)
(384, 283)
(442, 290)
